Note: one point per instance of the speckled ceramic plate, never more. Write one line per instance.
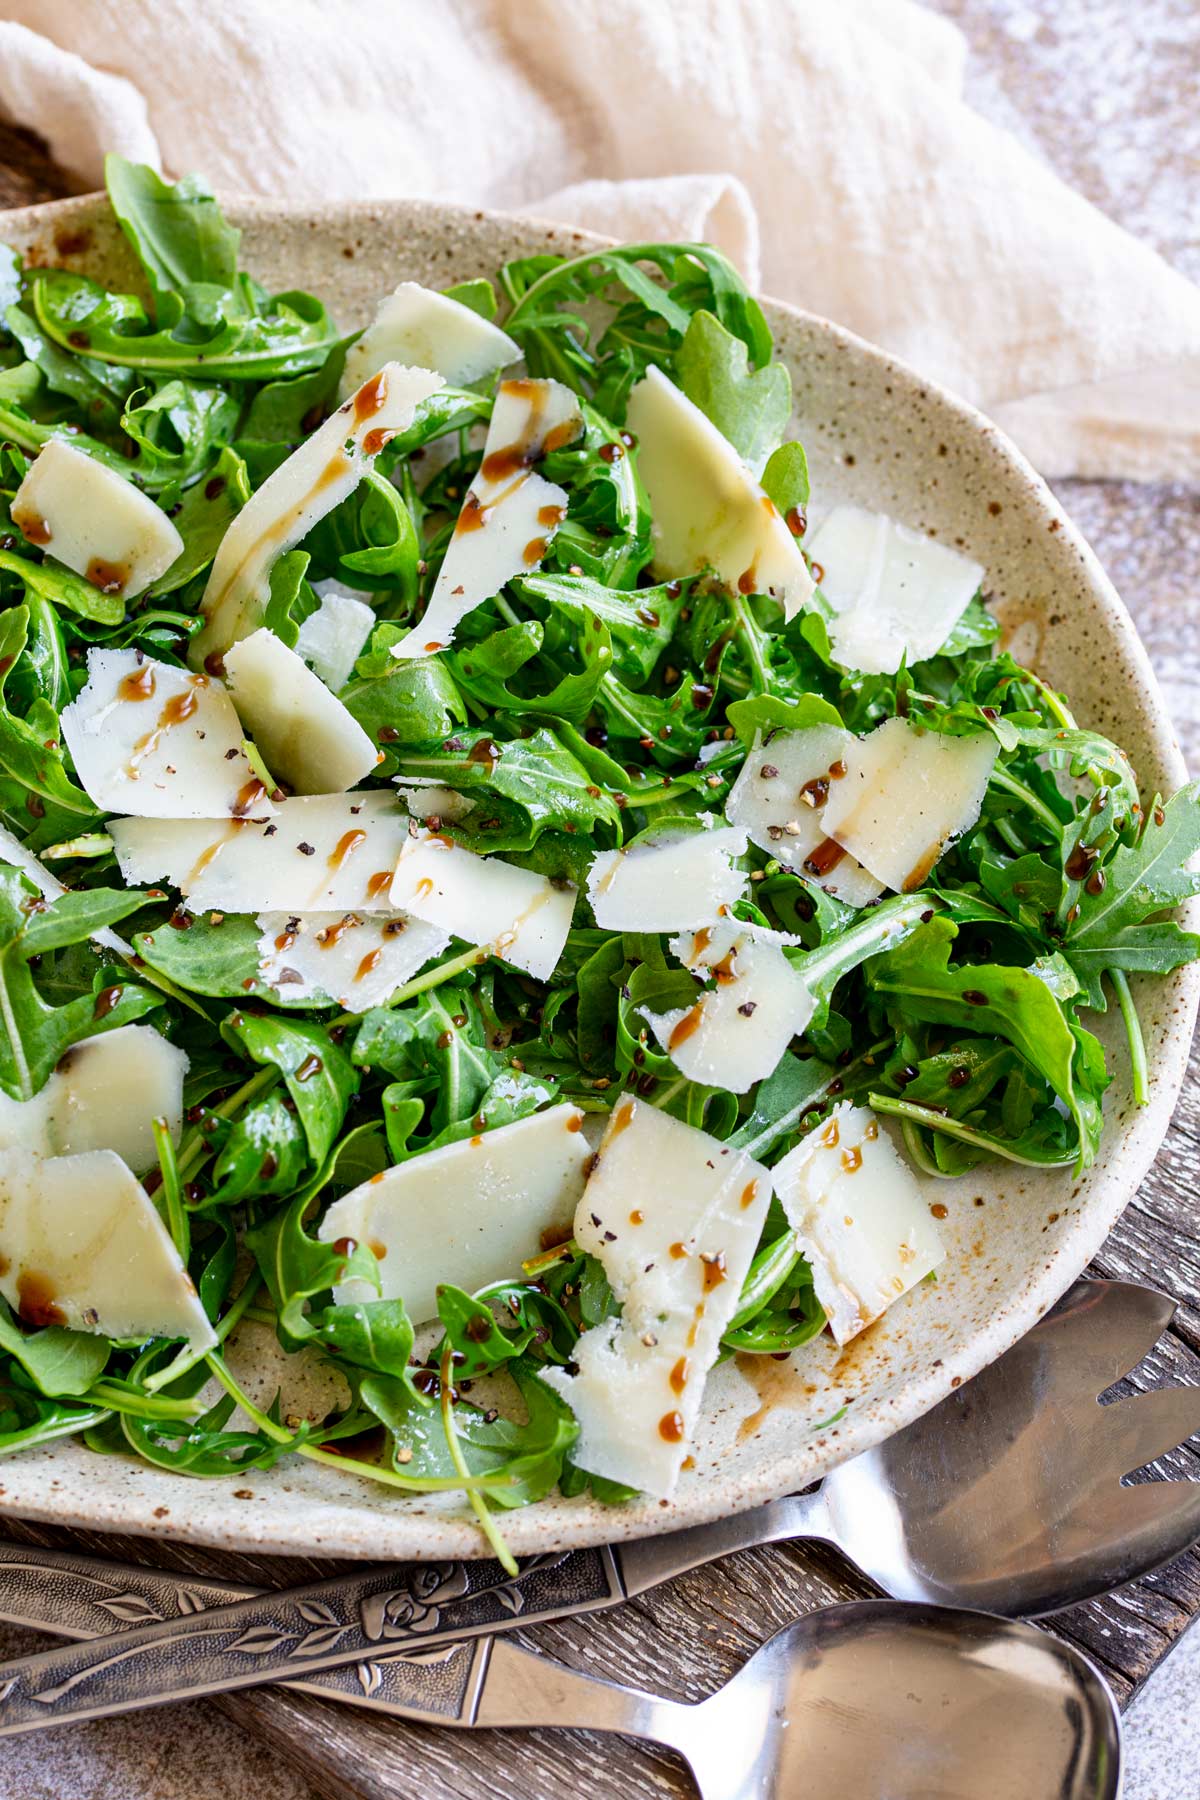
(877, 434)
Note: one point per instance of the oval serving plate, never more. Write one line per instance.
(875, 433)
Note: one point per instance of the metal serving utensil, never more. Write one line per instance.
(1005, 1496)
(916, 1700)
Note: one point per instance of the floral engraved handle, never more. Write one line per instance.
(382, 1637)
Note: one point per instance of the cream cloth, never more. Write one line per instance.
(824, 144)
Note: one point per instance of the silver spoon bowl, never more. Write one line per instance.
(875, 1701)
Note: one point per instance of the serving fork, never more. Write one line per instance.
(1006, 1497)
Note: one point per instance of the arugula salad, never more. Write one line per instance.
(486, 891)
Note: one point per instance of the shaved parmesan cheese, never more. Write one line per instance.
(861, 1218)
(307, 737)
(709, 511)
(104, 1094)
(896, 592)
(736, 1032)
(331, 639)
(510, 513)
(521, 917)
(152, 740)
(13, 852)
(82, 1245)
(674, 883)
(356, 959)
(779, 799)
(93, 520)
(674, 1217)
(413, 324)
(315, 478)
(905, 794)
(429, 800)
(320, 853)
(467, 1214)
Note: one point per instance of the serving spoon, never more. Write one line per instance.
(881, 1697)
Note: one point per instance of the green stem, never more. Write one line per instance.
(479, 1506)
(752, 638)
(187, 1359)
(177, 1221)
(457, 965)
(914, 1143)
(1139, 1070)
(413, 1484)
(1017, 790)
(195, 1149)
(964, 1134)
(114, 1397)
(764, 1278)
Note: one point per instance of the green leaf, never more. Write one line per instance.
(402, 703)
(320, 1076)
(53, 582)
(297, 1268)
(219, 960)
(178, 233)
(536, 774)
(1013, 1003)
(34, 1033)
(484, 671)
(206, 511)
(785, 479)
(640, 624)
(751, 407)
(765, 713)
(479, 295)
(779, 1104)
(294, 335)
(263, 1152)
(57, 1360)
(1113, 928)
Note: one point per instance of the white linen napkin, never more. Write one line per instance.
(824, 144)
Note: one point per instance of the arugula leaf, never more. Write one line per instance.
(785, 481)
(74, 312)
(402, 703)
(751, 407)
(33, 1033)
(1114, 928)
(51, 581)
(177, 233)
(766, 713)
(320, 1077)
(57, 1360)
(917, 977)
(537, 774)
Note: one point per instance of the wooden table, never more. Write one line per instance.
(1053, 61)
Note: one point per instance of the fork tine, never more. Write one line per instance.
(1102, 1329)
(1131, 1433)
(1126, 1532)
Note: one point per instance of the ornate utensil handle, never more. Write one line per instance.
(391, 1635)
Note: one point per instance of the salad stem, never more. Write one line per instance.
(279, 1434)
(978, 1140)
(177, 1221)
(1008, 784)
(1139, 1071)
(195, 1149)
(479, 1506)
(457, 965)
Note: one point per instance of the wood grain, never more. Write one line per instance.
(689, 1636)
